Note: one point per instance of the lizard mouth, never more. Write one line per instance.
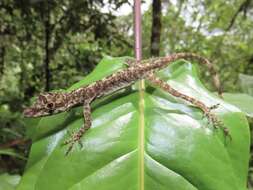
(35, 112)
(30, 112)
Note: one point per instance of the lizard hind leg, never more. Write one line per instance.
(76, 137)
(212, 118)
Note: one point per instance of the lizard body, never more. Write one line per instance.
(52, 103)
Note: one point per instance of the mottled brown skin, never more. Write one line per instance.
(52, 103)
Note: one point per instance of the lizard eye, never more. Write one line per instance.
(50, 105)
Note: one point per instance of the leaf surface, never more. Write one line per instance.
(173, 147)
(8, 182)
(242, 101)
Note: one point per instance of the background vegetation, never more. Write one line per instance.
(46, 45)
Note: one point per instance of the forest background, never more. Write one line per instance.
(46, 45)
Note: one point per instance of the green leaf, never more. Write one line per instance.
(242, 101)
(166, 144)
(246, 83)
(11, 152)
(8, 182)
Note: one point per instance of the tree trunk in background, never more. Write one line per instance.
(249, 66)
(244, 7)
(156, 27)
(47, 50)
(2, 54)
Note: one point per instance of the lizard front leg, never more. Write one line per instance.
(207, 110)
(75, 137)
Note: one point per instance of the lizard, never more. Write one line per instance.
(55, 102)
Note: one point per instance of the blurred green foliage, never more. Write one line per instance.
(9, 182)
(79, 33)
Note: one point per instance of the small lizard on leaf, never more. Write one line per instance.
(52, 103)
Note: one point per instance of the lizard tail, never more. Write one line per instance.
(201, 60)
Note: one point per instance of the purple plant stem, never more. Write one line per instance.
(137, 30)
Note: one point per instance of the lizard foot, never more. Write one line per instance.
(130, 62)
(217, 124)
(215, 106)
(74, 137)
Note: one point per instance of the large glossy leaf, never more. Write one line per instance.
(149, 142)
(8, 182)
(242, 101)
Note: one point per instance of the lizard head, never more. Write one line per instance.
(47, 104)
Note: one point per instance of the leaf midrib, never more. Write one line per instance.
(141, 135)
